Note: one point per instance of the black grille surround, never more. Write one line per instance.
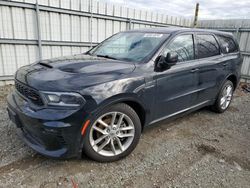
(29, 93)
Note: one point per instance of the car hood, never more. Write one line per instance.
(72, 72)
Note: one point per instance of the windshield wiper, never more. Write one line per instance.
(106, 56)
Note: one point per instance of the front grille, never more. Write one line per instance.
(61, 140)
(29, 93)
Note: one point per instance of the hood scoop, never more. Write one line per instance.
(88, 65)
(46, 65)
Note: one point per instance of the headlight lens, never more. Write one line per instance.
(63, 99)
(53, 98)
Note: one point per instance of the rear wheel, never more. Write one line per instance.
(224, 98)
(113, 135)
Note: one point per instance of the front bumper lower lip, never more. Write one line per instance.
(31, 143)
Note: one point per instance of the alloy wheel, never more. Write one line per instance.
(112, 134)
(226, 96)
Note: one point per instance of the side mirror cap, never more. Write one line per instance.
(171, 58)
(164, 63)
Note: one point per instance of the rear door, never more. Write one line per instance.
(210, 66)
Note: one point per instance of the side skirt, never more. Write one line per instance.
(184, 111)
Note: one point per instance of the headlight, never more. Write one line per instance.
(63, 99)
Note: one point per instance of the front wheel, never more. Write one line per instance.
(114, 134)
(224, 98)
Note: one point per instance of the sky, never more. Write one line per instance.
(209, 9)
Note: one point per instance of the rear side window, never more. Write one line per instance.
(183, 46)
(207, 46)
(227, 44)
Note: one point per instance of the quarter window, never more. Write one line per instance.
(228, 44)
(207, 46)
(183, 46)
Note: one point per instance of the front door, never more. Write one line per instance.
(176, 87)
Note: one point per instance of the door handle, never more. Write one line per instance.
(224, 64)
(194, 70)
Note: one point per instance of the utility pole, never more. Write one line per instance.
(91, 24)
(196, 14)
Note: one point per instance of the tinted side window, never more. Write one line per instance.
(228, 44)
(207, 46)
(183, 46)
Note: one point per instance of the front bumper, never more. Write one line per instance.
(52, 132)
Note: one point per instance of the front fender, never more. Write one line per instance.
(104, 93)
(125, 90)
(124, 97)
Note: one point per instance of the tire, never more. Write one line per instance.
(126, 123)
(220, 107)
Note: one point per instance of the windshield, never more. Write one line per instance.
(129, 46)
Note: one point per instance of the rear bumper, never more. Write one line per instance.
(54, 133)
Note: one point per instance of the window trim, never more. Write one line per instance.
(196, 44)
(160, 52)
(232, 38)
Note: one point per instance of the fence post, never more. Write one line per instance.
(237, 33)
(91, 24)
(38, 32)
(130, 24)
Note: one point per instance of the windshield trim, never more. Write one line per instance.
(145, 59)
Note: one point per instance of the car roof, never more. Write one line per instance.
(176, 30)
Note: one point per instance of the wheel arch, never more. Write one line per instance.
(131, 100)
(138, 108)
(233, 79)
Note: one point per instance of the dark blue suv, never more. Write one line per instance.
(100, 101)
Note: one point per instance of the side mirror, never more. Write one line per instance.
(171, 58)
(164, 63)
